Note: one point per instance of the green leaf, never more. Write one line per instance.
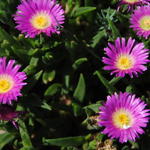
(67, 141)
(130, 89)
(30, 69)
(92, 145)
(5, 138)
(94, 107)
(96, 39)
(79, 92)
(83, 10)
(52, 89)
(27, 148)
(15, 46)
(78, 62)
(115, 31)
(114, 80)
(48, 76)
(77, 109)
(105, 82)
(34, 61)
(5, 36)
(26, 142)
(46, 106)
(67, 81)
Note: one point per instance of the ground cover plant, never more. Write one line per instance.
(74, 74)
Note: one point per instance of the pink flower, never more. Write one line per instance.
(125, 57)
(39, 16)
(123, 116)
(11, 81)
(140, 21)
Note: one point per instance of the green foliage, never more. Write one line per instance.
(79, 92)
(5, 138)
(26, 142)
(65, 142)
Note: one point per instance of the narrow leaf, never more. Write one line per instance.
(114, 80)
(105, 82)
(48, 76)
(52, 89)
(83, 10)
(78, 62)
(5, 138)
(79, 92)
(96, 39)
(67, 141)
(46, 106)
(114, 29)
(94, 107)
(26, 142)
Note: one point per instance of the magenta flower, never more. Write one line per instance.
(125, 57)
(123, 116)
(36, 16)
(140, 21)
(11, 81)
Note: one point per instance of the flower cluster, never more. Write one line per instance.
(123, 115)
(33, 17)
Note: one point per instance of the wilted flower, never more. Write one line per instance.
(106, 145)
(140, 21)
(125, 57)
(36, 16)
(11, 81)
(132, 3)
(123, 116)
(7, 113)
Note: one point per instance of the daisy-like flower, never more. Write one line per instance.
(11, 81)
(123, 116)
(36, 16)
(140, 21)
(125, 57)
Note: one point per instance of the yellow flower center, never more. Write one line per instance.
(124, 62)
(6, 83)
(41, 21)
(122, 119)
(145, 23)
(131, 1)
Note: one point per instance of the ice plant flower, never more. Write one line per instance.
(123, 116)
(11, 81)
(39, 16)
(140, 21)
(125, 57)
